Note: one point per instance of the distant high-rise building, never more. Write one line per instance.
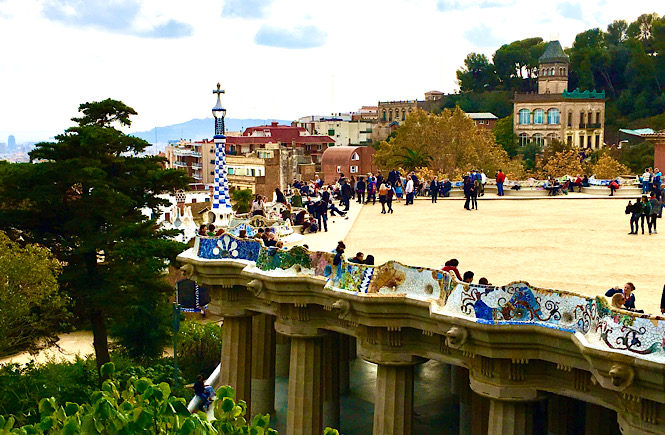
(11, 143)
(3, 148)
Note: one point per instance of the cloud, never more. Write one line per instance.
(246, 8)
(112, 16)
(298, 37)
(570, 10)
(482, 36)
(460, 5)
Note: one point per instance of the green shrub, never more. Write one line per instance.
(140, 406)
(199, 348)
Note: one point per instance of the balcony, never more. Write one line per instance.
(183, 152)
(180, 164)
(197, 177)
(195, 154)
(196, 166)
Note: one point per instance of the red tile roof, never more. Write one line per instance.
(284, 134)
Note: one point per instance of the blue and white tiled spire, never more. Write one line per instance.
(221, 202)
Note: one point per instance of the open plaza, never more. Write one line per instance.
(578, 245)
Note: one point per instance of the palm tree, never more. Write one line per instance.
(242, 200)
(413, 159)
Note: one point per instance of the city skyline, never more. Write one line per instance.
(275, 58)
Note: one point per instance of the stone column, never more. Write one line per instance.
(393, 400)
(600, 420)
(461, 389)
(282, 355)
(305, 406)
(331, 376)
(562, 415)
(514, 418)
(353, 348)
(236, 369)
(344, 369)
(263, 364)
(480, 414)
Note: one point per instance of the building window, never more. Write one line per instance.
(598, 118)
(525, 117)
(331, 132)
(569, 140)
(213, 172)
(339, 169)
(524, 139)
(538, 139)
(320, 147)
(390, 115)
(403, 114)
(597, 141)
(212, 162)
(581, 142)
(232, 171)
(212, 150)
(539, 116)
(582, 121)
(570, 119)
(355, 156)
(353, 169)
(553, 116)
(384, 115)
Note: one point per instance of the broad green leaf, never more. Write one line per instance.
(107, 370)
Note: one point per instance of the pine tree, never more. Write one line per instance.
(82, 197)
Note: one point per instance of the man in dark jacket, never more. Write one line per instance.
(360, 187)
(321, 210)
(434, 189)
(346, 195)
(468, 191)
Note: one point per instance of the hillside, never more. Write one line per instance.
(196, 129)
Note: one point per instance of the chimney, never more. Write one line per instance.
(274, 124)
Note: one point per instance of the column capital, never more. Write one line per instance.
(387, 358)
(505, 392)
(298, 329)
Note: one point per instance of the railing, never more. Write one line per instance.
(196, 166)
(181, 164)
(518, 303)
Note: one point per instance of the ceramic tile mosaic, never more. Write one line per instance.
(228, 246)
(517, 303)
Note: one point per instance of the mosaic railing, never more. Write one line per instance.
(517, 303)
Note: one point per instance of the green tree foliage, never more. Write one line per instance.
(199, 348)
(242, 200)
(505, 136)
(627, 61)
(140, 406)
(449, 143)
(412, 159)
(637, 157)
(82, 197)
(477, 74)
(24, 385)
(32, 307)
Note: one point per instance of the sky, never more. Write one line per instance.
(279, 59)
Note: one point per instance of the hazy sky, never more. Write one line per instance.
(275, 58)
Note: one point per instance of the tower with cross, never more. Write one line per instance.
(221, 201)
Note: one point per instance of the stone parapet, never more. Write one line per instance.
(515, 340)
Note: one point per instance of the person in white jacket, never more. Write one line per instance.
(409, 191)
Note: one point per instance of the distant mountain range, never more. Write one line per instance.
(197, 129)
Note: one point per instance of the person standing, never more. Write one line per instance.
(409, 191)
(646, 179)
(634, 210)
(361, 189)
(654, 213)
(646, 211)
(347, 192)
(372, 187)
(382, 197)
(500, 179)
(389, 197)
(476, 191)
(483, 182)
(434, 189)
(468, 190)
(321, 209)
(657, 176)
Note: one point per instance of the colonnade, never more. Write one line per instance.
(316, 363)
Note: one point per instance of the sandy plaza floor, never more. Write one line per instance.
(580, 245)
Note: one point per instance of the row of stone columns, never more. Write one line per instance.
(318, 371)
